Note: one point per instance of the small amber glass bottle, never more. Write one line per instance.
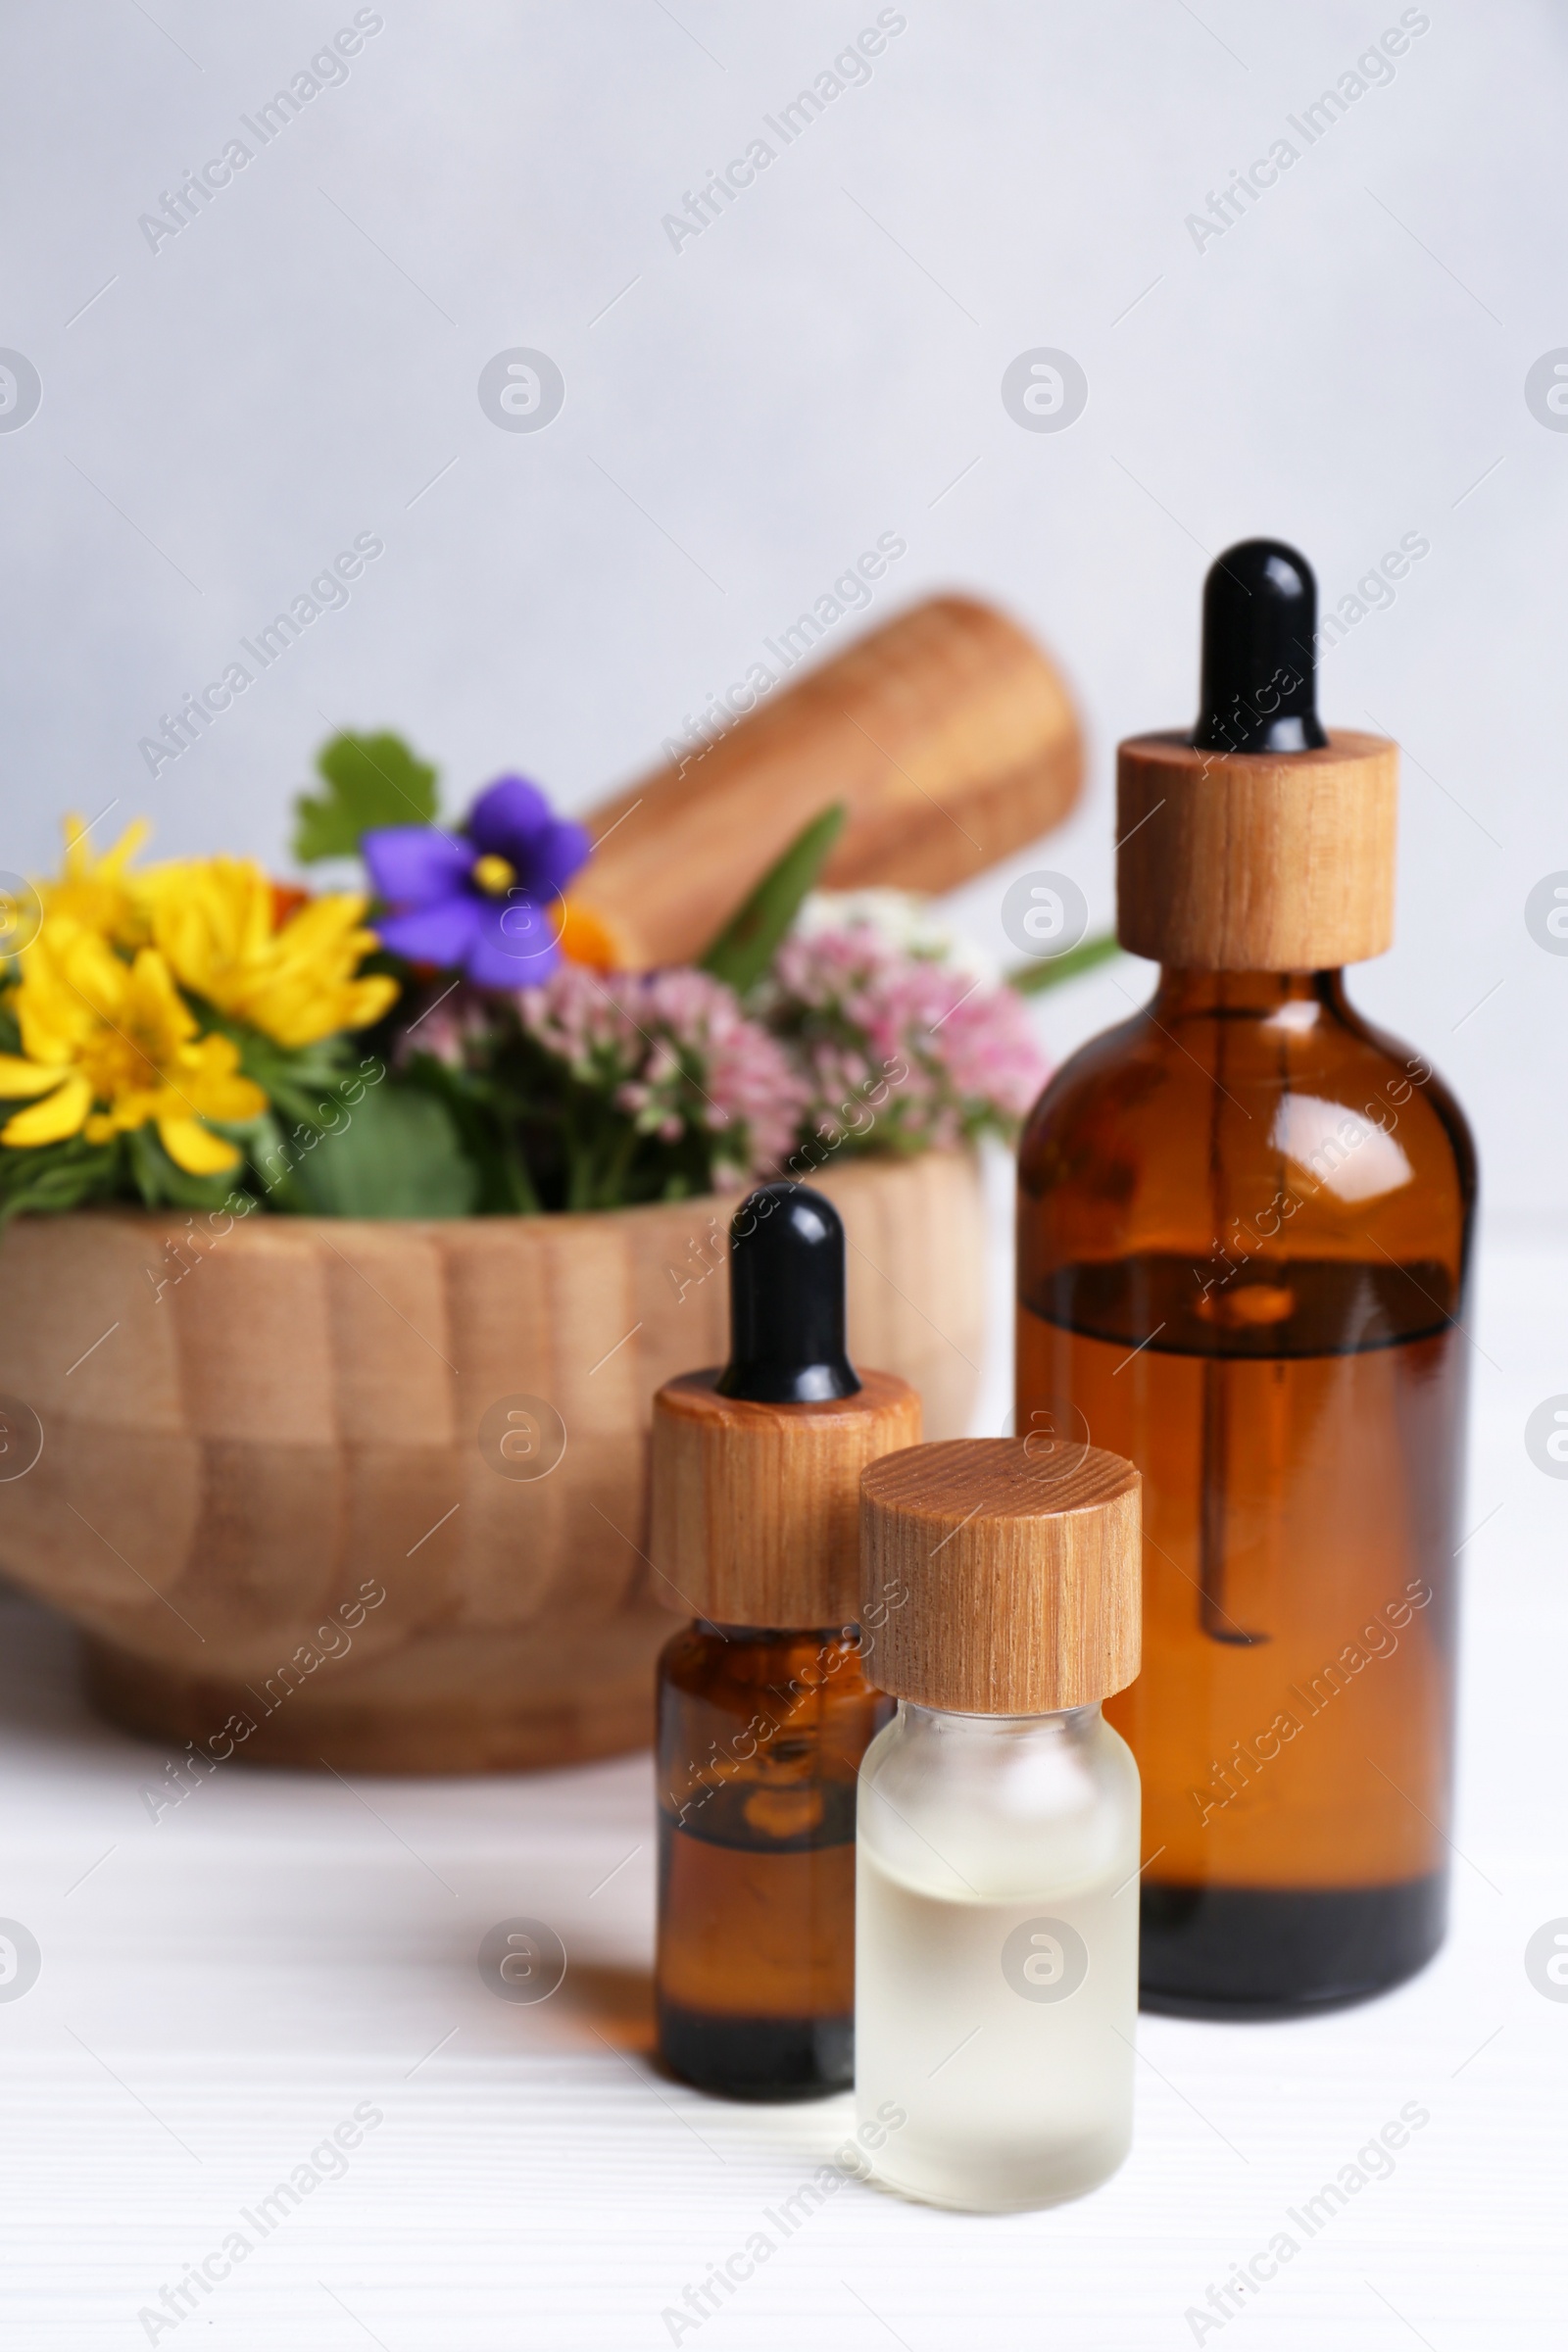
(764, 1704)
(1244, 1229)
(761, 1736)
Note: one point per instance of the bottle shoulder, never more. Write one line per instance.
(1195, 1122)
(1150, 1072)
(770, 1718)
(970, 1818)
(1436, 1101)
(738, 1669)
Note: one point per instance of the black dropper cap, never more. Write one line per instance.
(1259, 659)
(786, 1300)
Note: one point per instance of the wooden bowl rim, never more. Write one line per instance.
(867, 1166)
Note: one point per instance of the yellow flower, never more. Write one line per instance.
(214, 920)
(108, 1045)
(97, 892)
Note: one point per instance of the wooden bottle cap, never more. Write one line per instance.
(756, 1507)
(1000, 1582)
(1256, 861)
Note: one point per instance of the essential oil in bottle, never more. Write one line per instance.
(765, 1706)
(1244, 1232)
(996, 1865)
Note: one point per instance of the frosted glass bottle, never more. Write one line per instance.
(996, 1998)
(997, 1952)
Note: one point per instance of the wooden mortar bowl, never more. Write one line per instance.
(233, 1460)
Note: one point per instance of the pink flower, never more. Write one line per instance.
(934, 1058)
(451, 1027)
(675, 1052)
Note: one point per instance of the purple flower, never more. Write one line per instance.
(479, 902)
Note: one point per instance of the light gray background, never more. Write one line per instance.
(1344, 365)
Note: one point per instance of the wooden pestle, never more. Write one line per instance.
(947, 733)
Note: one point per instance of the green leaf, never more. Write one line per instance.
(305, 1073)
(397, 1155)
(270, 1179)
(160, 1181)
(306, 1085)
(750, 940)
(45, 1179)
(371, 780)
(1031, 979)
(480, 1110)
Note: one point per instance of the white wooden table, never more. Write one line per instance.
(221, 1988)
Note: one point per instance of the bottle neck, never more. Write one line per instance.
(759, 1636)
(820, 1658)
(1065, 1727)
(1258, 995)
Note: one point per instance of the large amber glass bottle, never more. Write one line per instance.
(1244, 1227)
